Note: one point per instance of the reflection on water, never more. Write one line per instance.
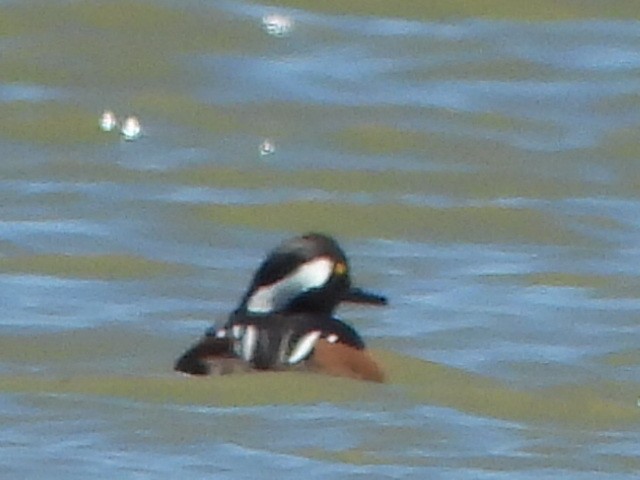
(479, 166)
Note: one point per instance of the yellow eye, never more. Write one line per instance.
(340, 268)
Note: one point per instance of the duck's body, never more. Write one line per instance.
(282, 342)
(285, 319)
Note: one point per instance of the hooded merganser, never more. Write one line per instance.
(285, 319)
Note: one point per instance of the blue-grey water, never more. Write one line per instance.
(479, 166)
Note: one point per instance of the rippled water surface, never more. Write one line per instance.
(479, 163)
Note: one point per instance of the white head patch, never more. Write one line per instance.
(313, 274)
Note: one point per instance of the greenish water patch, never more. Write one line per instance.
(71, 351)
(624, 144)
(603, 286)
(474, 144)
(377, 139)
(70, 168)
(162, 26)
(493, 9)
(598, 405)
(390, 220)
(360, 456)
(50, 123)
(125, 43)
(382, 139)
(494, 69)
(188, 112)
(482, 185)
(622, 151)
(93, 267)
(564, 279)
(625, 358)
(593, 406)
(231, 390)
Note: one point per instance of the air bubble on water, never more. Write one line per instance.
(131, 128)
(277, 25)
(267, 147)
(108, 121)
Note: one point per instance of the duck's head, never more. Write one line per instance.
(307, 274)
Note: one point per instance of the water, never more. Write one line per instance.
(479, 167)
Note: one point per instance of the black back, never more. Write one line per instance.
(278, 334)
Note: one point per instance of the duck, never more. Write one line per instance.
(285, 319)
